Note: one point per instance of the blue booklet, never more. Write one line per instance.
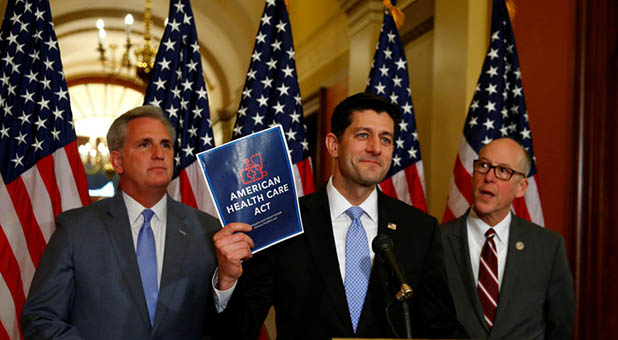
(251, 181)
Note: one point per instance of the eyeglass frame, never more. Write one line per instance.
(511, 173)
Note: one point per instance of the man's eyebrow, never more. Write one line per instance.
(499, 164)
(369, 128)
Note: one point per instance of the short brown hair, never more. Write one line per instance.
(117, 134)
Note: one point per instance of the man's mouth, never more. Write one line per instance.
(487, 193)
(371, 161)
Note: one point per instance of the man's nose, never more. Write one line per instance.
(157, 152)
(490, 176)
(373, 145)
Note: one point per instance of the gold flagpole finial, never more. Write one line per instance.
(396, 13)
(510, 7)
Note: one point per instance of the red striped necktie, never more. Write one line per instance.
(488, 278)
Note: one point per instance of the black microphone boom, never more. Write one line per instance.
(382, 245)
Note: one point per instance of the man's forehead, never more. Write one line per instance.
(504, 151)
(147, 126)
(369, 118)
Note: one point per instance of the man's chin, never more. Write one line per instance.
(160, 182)
(369, 181)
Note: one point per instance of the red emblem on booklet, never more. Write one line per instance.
(253, 170)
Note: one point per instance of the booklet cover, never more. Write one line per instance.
(251, 181)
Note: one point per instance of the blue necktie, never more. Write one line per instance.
(357, 265)
(147, 261)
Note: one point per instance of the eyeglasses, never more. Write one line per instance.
(502, 172)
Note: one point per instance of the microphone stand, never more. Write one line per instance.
(405, 292)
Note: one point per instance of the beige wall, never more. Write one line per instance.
(460, 41)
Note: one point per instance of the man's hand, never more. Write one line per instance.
(232, 248)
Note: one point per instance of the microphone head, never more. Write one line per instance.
(381, 242)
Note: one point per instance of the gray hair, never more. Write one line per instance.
(117, 134)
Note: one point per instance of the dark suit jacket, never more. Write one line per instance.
(87, 284)
(536, 297)
(301, 278)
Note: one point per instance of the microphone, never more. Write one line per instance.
(382, 244)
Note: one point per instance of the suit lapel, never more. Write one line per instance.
(461, 253)
(321, 241)
(118, 226)
(176, 238)
(514, 260)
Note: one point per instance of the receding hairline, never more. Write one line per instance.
(525, 162)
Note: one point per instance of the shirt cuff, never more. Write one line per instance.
(222, 297)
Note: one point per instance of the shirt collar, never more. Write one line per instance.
(338, 204)
(134, 209)
(478, 227)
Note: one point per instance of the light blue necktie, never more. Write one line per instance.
(357, 265)
(147, 261)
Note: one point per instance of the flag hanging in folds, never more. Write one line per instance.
(271, 94)
(389, 78)
(177, 86)
(42, 174)
(498, 110)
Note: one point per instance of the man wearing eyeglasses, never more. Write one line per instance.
(509, 278)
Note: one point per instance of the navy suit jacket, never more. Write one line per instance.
(87, 284)
(536, 298)
(301, 278)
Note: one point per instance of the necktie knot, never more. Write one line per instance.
(490, 233)
(147, 213)
(355, 212)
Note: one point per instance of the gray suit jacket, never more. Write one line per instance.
(87, 284)
(536, 297)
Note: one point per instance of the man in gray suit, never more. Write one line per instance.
(136, 266)
(509, 278)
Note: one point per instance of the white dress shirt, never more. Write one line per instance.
(158, 223)
(341, 221)
(476, 239)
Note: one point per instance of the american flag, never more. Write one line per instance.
(389, 78)
(271, 94)
(177, 86)
(498, 110)
(42, 174)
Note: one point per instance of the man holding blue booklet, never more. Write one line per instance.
(325, 283)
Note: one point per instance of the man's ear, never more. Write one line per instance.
(332, 145)
(521, 188)
(116, 158)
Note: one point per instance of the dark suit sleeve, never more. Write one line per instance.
(49, 301)
(433, 309)
(560, 305)
(252, 298)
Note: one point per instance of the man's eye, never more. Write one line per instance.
(363, 135)
(504, 170)
(167, 145)
(484, 165)
(387, 140)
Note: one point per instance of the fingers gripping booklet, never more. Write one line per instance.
(251, 181)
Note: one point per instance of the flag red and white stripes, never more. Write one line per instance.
(28, 207)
